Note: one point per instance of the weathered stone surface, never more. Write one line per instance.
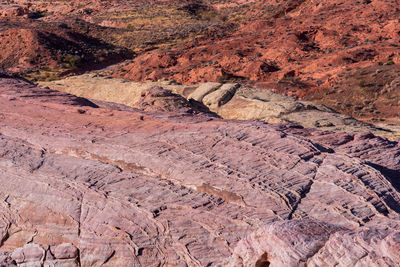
(5, 260)
(156, 98)
(203, 90)
(288, 243)
(220, 96)
(369, 247)
(229, 101)
(307, 243)
(9, 11)
(30, 253)
(64, 251)
(131, 188)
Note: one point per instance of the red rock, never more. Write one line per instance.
(11, 11)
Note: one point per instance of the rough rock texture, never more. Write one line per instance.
(156, 98)
(133, 188)
(368, 93)
(304, 42)
(9, 11)
(340, 53)
(369, 247)
(35, 255)
(307, 243)
(287, 243)
(53, 47)
(229, 101)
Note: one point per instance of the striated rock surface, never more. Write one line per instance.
(99, 184)
(307, 243)
(288, 243)
(229, 101)
(369, 247)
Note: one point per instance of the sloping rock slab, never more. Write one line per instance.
(134, 188)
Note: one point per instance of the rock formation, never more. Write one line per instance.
(92, 183)
(342, 54)
(208, 133)
(307, 243)
(229, 101)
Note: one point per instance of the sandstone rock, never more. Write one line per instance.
(106, 89)
(286, 54)
(59, 47)
(229, 101)
(179, 189)
(323, 123)
(156, 98)
(368, 247)
(203, 90)
(221, 96)
(307, 243)
(64, 251)
(288, 243)
(30, 253)
(10, 11)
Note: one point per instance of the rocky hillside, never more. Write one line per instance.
(44, 50)
(95, 183)
(343, 54)
(56, 38)
(309, 49)
(309, 41)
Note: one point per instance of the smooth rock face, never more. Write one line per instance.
(203, 90)
(134, 188)
(220, 96)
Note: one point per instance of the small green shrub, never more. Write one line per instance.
(71, 61)
(390, 62)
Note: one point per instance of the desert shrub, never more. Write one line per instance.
(71, 61)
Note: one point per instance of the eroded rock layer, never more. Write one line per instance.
(93, 184)
(228, 100)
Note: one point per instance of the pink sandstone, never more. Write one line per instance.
(95, 183)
